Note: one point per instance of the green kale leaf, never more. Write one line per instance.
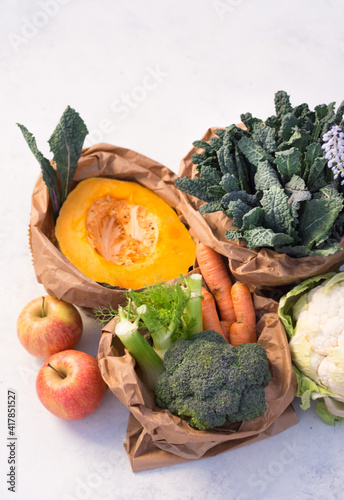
(288, 163)
(261, 237)
(229, 183)
(253, 151)
(317, 219)
(266, 176)
(226, 161)
(49, 174)
(195, 187)
(66, 144)
(273, 180)
(265, 137)
(236, 210)
(277, 210)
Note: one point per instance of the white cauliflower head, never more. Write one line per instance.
(317, 346)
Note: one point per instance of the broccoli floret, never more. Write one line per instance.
(256, 372)
(208, 382)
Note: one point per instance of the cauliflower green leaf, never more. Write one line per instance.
(312, 316)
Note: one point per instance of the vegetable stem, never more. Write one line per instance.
(143, 353)
(194, 306)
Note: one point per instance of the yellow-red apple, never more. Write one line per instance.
(69, 384)
(47, 325)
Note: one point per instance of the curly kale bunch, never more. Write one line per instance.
(273, 180)
(208, 382)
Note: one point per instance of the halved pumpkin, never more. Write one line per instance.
(122, 234)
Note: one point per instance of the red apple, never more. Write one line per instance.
(69, 384)
(47, 325)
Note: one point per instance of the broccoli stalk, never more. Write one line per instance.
(141, 350)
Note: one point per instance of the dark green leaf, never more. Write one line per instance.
(277, 210)
(208, 161)
(195, 187)
(300, 139)
(317, 219)
(233, 234)
(316, 173)
(226, 161)
(265, 177)
(216, 190)
(298, 251)
(288, 163)
(282, 104)
(286, 130)
(316, 134)
(236, 210)
(273, 122)
(339, 113)
(325, 118)
(215, 143)
(302, 110)
(252, 219)
(232, 135)
(249, 199)
(212, 206)
(66, 144)
(295, 201)
(307, 125)
(261, 237)
(252, 151)
(265, 137)
(229, 183)
(197, 158)
(228, 136)
(220, 132)
(250, 123)
(321, 111)
(49, 175)
(337, 230)
(209, 173)
(243, 172)
(203, 145)
(313, 151)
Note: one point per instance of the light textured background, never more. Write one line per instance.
(151, 76)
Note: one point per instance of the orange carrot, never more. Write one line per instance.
(226, 326)
(217, 278)
(240, 333)
(209, 313)
(243, 307)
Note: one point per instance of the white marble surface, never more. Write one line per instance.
(184, 66)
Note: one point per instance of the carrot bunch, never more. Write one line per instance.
(227, 308)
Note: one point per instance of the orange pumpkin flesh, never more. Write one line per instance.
(120, 233)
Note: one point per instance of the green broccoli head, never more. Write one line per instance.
(208, 382)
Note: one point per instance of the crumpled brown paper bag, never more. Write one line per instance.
(156, 438)
(264, 267)
(59, 277)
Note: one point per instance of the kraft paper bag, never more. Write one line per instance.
(60, 277)
(156, 438)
